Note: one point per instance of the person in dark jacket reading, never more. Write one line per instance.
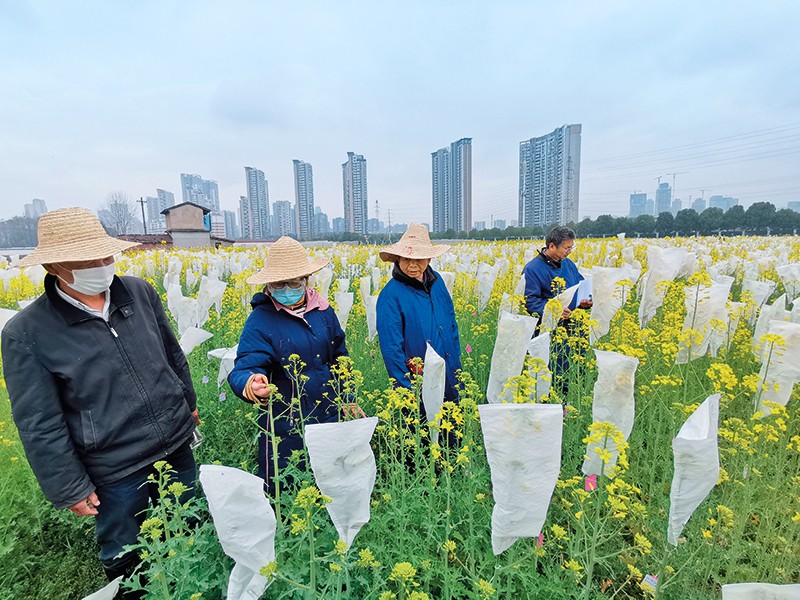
(415, 309)
(99, 386)
(549, 273)
(289, 318)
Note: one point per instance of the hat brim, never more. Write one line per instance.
(74, 252)
(267, 275)
(395, 252)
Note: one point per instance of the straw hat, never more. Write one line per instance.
(415, 243)
(286, 259)
(72, 234)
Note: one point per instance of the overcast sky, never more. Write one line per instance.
(105, 96)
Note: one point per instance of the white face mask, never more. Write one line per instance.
(92, 281)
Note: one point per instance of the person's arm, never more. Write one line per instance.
(253, 357)
(36, 408)
(389, 320)
(536, 294)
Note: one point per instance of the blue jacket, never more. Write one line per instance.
(408, 316)
(539, 274)
(269, 337)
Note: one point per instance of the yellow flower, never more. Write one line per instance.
(485, 589)
(403, 572)
(449, 545)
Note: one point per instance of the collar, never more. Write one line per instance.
(556, 264)
(119, 297)
(428, 278)
(102, 313)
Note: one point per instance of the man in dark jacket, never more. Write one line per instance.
(100, 389)
(540, 274)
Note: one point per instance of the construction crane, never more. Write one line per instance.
(673, 178)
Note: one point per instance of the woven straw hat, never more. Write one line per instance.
(415, 243)
(286, 259)
(72, 234)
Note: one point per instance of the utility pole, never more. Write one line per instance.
(142, 201)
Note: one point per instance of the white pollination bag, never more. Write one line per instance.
(344, 469)
(703, 303)
(760, 591)
(434, 377)
(245, 525)
(771, 312)
(513, 335)
(539, 350)
(449, 279)
(780, 365)
(556, 306)
(226, 357)
(523, 448)
(790, 277)
(192, 338)
(321, 281)
(605, 286)
(344, 303)
(696, 456)
(108, 592)
(613, 403)
(663, 264)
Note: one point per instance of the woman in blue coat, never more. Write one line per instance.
(414, 309)
(288, 318)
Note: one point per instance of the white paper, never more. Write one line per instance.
(584, 291)
(434, 377)
(783, 368)
(696, 457)
(344, 303)
(226, 356)
(523, 448)
(539, 348)
(564, 299)
(449, 279)
(245, 525)
(371, 306)
(513, 335)
(663, 264)
(344, 469)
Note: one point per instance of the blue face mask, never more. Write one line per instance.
(289, 296)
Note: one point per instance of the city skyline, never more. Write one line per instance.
(710, 97)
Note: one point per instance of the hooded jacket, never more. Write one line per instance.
(411, 314)
(93, 400)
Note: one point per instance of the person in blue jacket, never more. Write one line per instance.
(551, 262)
(288, 318)
(414, 309)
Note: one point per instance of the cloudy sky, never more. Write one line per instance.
(106, 96)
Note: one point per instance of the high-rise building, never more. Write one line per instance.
(244, 217)
(676, 206)
(36, 208)
(203, 192)
(663, 198)
(321, 222)
(650, 207)
(217, 223)
(723, 202)
(338, 225)
(304, 199)
(258, 223)
(451, 177)
(284, 217)
(156, 222)
(480, 225)
(549, 178)
(354, 183)
(638, 205)
(699, 204)
(500, 223)
(231, 227)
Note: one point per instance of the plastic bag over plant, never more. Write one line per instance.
(790, 277)
(321, 281)
(613, 403)
(245, 525)
(344, 469)
(523, 448)
(556, 306)
(703, 303)
(760, 290)
(760, 591)
(771, 312)
(696, 455)
(780, 364)
(606, 286)
(513, 334)
(449, 279)
(434, 375)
